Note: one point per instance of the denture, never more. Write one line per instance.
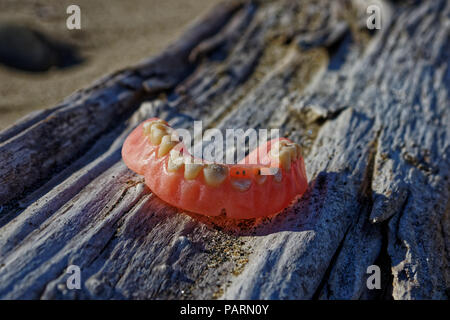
(239, 190)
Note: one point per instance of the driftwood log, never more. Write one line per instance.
(371, 110)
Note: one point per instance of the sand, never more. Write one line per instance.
(114, 34)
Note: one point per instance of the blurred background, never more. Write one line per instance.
(42, 62)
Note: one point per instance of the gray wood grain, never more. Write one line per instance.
(371, 111)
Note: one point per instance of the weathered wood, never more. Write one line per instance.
(372, 112)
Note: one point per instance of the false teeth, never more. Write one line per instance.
(191, 170)
(157, 132)
(166, 145)
(175, 162)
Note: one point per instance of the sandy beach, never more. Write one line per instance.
(113, 35)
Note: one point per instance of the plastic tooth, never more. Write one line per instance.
(147, 128)
(291, 146)
(175, 162)
(156, 135)
(215, 174)
(285, 159)
(173, 166)
(283, 156)
(295, 149)
(241, 184)
(157, 132)
(292, 151)
(191, 170)
(160, 121)
(285, 152)
(166, 145)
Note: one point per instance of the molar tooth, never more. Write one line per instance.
(166, 145)
(147, 128)
(160, 126)
(191, 170)
(292, 151)
(285, 159)
(295, 149)
(285, 152)
(241, 184)
(157, 132)
(215, 174)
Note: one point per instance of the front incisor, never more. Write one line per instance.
(166, 145)
(175, 162)
(191, 170)
(215, 174)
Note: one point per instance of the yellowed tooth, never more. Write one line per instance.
(173, 166)
(241, 184)
(166, 145)
(175, 162)
(285, 152)
(292, 151)
(147, 128)
(157, 132)
(295, 149)
(191, 170)
(215, 174)
(160, 126)
(283, 156)
(285, 159)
